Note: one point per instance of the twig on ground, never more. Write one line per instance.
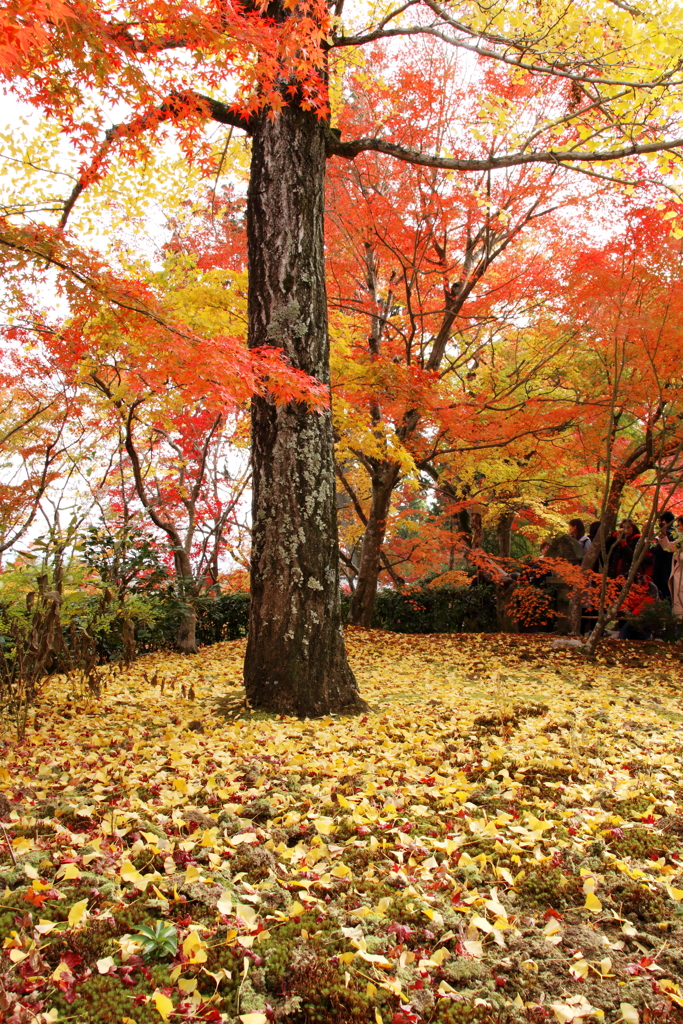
(9, 845)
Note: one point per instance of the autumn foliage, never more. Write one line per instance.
(485, 839)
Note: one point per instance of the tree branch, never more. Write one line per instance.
(513, 53)
(350, 150)
(352, 495)
(178, 106)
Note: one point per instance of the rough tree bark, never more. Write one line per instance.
(295, 661)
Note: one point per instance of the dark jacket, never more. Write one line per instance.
(609, 544)
(661, 569)
(621, 555)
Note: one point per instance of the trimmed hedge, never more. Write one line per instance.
(422, 609)
(225, 617)
(219, 617)
(417, 609)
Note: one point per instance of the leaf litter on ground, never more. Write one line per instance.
(499, 839)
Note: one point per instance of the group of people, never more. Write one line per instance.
(662, 563)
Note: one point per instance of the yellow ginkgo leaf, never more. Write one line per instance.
(629, 1013)
(190, 943)
(191, 874)
(129, 873)
(68, 872)
(77, 913)
(44, 927)
(224, 904)
(163, 1004)
(579, 970)
(209, 837)
(247, 913)
(592, 903)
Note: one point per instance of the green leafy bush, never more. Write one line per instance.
(659, 620)
(222, 617)
(423, 609)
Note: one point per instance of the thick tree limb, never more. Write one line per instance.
(350, 150)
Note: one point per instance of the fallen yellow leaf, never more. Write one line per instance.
(163, 1004)
(77, 913)
(593, 903)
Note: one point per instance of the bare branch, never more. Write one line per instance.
(350, 150)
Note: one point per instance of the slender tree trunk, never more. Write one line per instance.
(295, 661)
(363, 600)
(504, 531)
(128, 638)
(593, 554)
(477, 530)
(465, 525)
(186, 638)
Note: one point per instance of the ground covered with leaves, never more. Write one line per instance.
(499, 839)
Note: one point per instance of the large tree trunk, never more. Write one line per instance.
(363, 600)
(295, 661)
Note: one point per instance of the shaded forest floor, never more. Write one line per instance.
(500, 839)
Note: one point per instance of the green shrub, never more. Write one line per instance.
(222, 617)
(219, 617)
(659, 620)
(422, 609)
